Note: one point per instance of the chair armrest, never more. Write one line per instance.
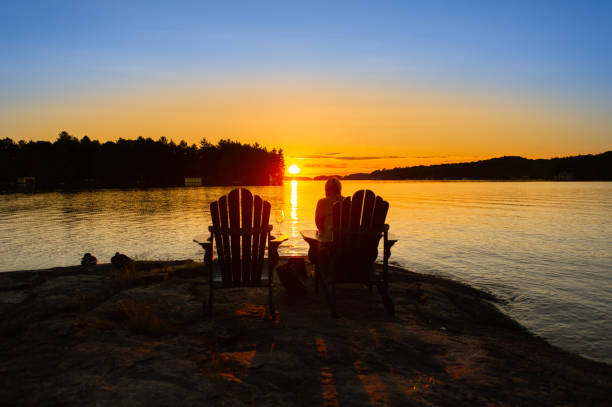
(389, 241)
(313, 237)
(273, 248)
(208, 251)
(277, 240)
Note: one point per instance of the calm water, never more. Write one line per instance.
(544, 247)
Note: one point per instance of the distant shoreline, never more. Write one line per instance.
(575, 168)
(443, 180)
(123, 188)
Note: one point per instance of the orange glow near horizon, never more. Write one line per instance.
(335, 128)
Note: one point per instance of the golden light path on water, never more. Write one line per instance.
(294, 209)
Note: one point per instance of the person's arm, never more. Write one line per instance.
(320, 214)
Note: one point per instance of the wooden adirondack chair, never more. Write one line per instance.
(358, 226)
(240, 228)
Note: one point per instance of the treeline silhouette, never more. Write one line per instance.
(580, 168)
(72, 163)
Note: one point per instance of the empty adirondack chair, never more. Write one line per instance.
(358, 226)
(240, 231)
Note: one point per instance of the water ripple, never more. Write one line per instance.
(542, 246)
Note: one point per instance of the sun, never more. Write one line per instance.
(294, 169)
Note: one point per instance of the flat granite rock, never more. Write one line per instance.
(13, 297)
(138, 337)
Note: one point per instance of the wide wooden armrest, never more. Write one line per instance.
(205, 245)
(277, 240)
(273, 244)
(240, 231)
(313, 237)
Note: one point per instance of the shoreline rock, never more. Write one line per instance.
(97, 335)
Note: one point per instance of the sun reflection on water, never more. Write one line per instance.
(294, 207)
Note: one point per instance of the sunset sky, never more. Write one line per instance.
(342, 87)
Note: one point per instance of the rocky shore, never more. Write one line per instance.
(96, 335)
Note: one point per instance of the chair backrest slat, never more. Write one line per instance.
(214, 214)
(233, 206)
(343, 237)
(381, 208)
(346, 211)
(336, 224)
(247, 236)
(355, 219)
(257, 207)
(368, 210)
(240, 228)
(227, 254)
(263, 237)
(355, 216)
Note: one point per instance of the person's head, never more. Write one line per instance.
(333, 187)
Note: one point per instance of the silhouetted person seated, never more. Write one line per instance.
(324, 217)
(324, 212)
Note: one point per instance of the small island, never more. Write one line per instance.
(99, 335)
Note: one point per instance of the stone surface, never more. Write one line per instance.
(99, 336)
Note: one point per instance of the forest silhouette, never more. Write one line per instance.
(576, 168)
(72, 163)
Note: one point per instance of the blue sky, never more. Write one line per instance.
(562, 44)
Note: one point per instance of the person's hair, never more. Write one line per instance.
(333, 186)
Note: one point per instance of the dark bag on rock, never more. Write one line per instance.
(293, 276)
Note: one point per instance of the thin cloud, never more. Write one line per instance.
(381, 157)
(353, 158)
(454, 157)
(318, 156)
(325, 165)
(432, 156)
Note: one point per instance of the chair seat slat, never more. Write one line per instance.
(219, 283)
(240, 231)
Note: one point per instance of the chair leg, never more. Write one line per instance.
(383, 289)
(329, 295)
(271, 307)
(325, 276)
(208, 266)
(208, 307)
(333, 301)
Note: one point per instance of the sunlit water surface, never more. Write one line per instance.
(544, 247)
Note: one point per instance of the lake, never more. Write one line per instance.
(544, 247)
